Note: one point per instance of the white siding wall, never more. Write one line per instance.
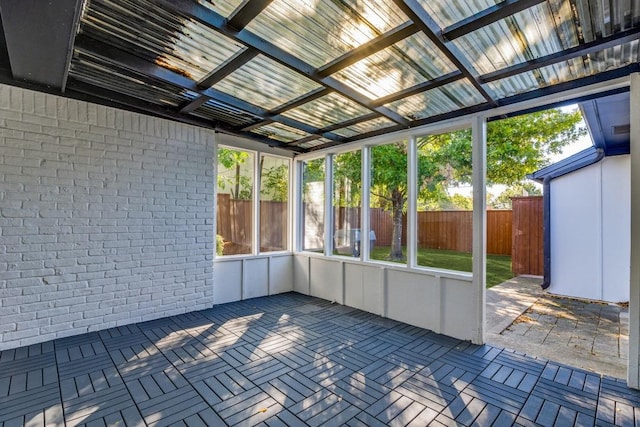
(590, 220)
(106, 217)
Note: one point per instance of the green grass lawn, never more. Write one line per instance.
(498, 266)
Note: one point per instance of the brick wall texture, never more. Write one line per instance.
(106, 217)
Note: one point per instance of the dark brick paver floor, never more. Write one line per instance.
(293, 360)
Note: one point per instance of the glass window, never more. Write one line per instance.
(445, 203)
(235, 200)
(274, 206)
(313, 193)
(388, 200)
(346, 203)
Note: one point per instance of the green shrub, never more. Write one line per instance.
(219, 245)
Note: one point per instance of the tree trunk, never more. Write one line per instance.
(396, 237)
(237, 186)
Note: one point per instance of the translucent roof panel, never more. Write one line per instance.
(314, 143)
(216, 111)
(182, 45)
(459, 94)
(97, 71)
(265, 83)
(223, 7)
(319, 31)
(601, 18)
(281, 132)
(518, 38)
(448, 12)
(409, 62)
(327, 110)
(601, 61)
(365, 127)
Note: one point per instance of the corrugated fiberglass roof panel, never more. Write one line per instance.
(265, 83)
(604, 18)
(459, 94)
(281, 132)
(216, 111)
(222, 7)
(365, 127)
(327, 110)
(97, 71)
(409, 62)
(598, 62)
(518, 38)
(157, 35)
(320, 31)
(314, 143)
(448, 12)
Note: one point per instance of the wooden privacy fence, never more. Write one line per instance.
(527, 253)
(516, 232)
(234, 224)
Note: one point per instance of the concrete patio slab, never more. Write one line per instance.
(586, 334)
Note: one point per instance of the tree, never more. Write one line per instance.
(239, 183)
(275, 182)
(516, 147)
(503, 200)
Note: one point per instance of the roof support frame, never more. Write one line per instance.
(235, 62)
(40, 45)
(379, 43)
(422, 87)
(134, 63)
(417, 14)
(587, 86)
(245, 13)
(564, 55)
(487, 17)
(115, 99)
(217, 23)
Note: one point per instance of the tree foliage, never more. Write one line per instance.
(232, 178)
(503, 200)
(516, 146)
(275, 183)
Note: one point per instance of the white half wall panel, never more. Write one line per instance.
(240, 278)
(443, 302)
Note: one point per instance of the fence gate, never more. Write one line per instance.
(527, 247)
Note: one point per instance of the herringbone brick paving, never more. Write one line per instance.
(293, 360)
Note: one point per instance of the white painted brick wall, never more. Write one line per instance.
(106, 217)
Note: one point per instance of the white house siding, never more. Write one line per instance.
(590, 222)
(106, 217)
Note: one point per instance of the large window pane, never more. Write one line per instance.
(313, 193)
(274, 198)
(235, 200)
(445, 204)
(346, 203)
(388, 199)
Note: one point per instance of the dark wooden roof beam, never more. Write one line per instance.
(420, 17)
(217, 23)
(487, 17)
(564, 55)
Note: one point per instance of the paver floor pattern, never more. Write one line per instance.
(582, 333)
(294, 360)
